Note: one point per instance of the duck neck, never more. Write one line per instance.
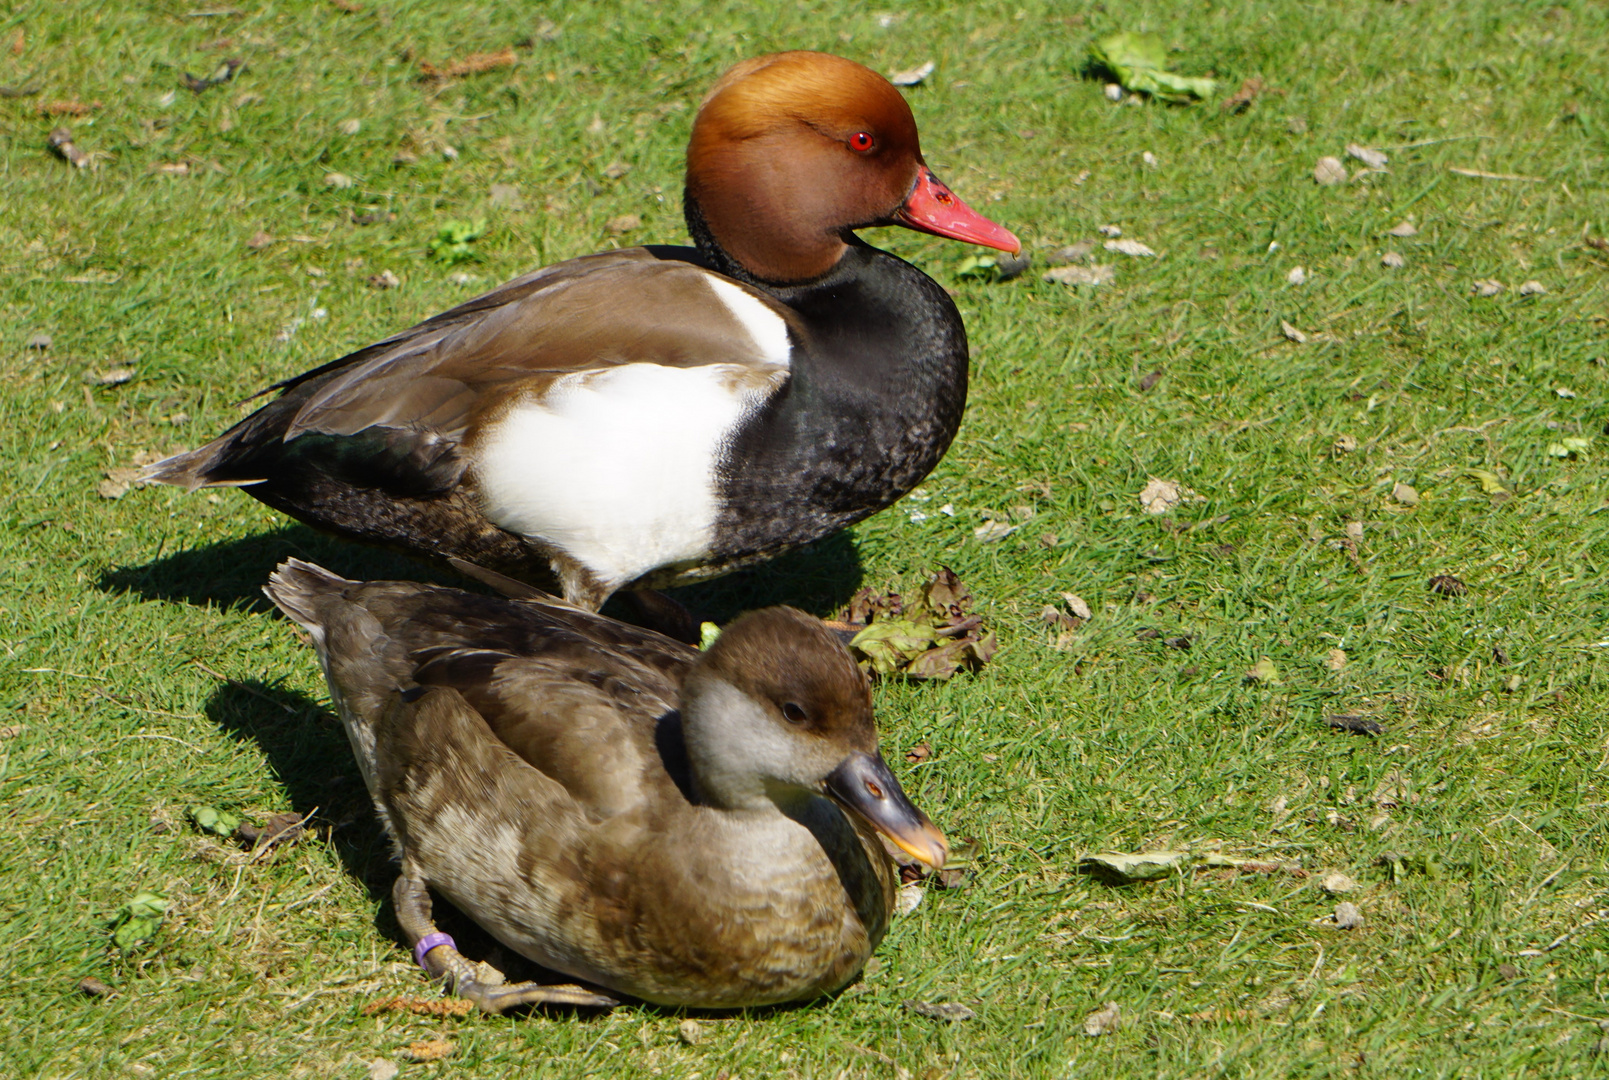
(803, 257)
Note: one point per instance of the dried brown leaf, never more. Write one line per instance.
(952, 1011)
(1371, 157)
(1081, 275)
(1334, 883)
(1241, 99)
(1104, 1020)
(1329, 172)
(429, 1049)
(1130, 247)
(625, 223)
(912, 76)
(420, 1006)
(1447, 585)
(473, 64)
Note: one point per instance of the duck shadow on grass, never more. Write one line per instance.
(231, 573)
(818, 578)
(308, 752)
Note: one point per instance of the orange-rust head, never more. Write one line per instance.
(791, 151)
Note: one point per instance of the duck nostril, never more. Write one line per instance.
(944, 197)
(873, 790)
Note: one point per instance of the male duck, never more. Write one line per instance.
(613, 804)
(657, 415)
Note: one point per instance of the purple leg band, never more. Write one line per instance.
(428, 942)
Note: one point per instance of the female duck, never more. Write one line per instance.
(687, 828)
(647, 417)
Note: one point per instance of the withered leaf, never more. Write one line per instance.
(429, 1049)
(220, 75)
(930, 637)
(473, 64)
(1081, 275)
(1329, 172)
(1371, 157)
(1358, 725)
(1447, 585)
(1336, 882)
(952, 1011)
(279, 829)
(1116, 868)
(1241, 99)
(1104, 1020)
(420, 1006)
(912, 76)
(93, 987)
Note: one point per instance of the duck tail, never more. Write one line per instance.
(194, 469)
(300, 590)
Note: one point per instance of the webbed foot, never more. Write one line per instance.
(479, 983)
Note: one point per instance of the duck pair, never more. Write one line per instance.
(685, 828)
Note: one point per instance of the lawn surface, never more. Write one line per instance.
(142, 672)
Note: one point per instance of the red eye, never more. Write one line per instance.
(861, 142)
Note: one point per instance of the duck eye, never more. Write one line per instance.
(862, 142)
(794, 713)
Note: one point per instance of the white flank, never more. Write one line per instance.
(766, 327)
(617, 466)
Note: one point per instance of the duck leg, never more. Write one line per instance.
(442, 960)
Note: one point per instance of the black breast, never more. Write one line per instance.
(876, 395)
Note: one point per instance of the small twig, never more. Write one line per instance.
(169, 738)
(58, 671)
(1480, 174)
(308, 900)
(1433, 142)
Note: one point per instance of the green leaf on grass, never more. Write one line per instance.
(1490, 482)
(451, 245)
(1139, 61)
(138, 920)
(1120, 869)
(890, 644)
(1264, 672)
(217, 822)
(980, 267)
(1570, 447)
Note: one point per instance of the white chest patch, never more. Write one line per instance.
(616, 467)
(765, 326)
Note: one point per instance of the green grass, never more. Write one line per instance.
(114, 614)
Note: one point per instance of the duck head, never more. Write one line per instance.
(791, 152)
(776, 712)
